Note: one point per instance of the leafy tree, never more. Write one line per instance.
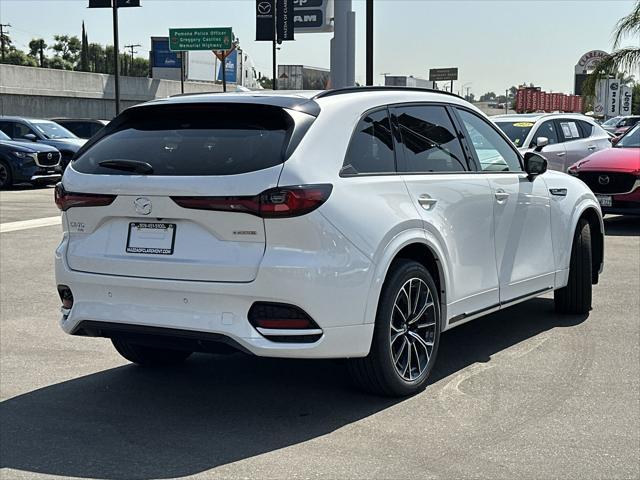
(488, 97)
(623, 59)
(265, 83)
(18, 57)
(138, 68)
(60, 63)
(37, 47)
(67, 47)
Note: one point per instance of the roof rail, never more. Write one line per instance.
(380, 88)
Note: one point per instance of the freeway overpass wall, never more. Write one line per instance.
(46, 93)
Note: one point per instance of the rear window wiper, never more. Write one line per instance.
(127, 166)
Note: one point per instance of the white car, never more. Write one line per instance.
(563, 138)
(354, 223)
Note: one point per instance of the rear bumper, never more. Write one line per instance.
(332, 289)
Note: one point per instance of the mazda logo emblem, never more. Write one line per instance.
(49, 156)
(604, 179)
(264, 8)
(142, 205)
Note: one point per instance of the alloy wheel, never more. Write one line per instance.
(413, 329)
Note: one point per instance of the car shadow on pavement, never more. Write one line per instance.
(128, 422)
(622, 225)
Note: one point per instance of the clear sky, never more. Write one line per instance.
(495, 44)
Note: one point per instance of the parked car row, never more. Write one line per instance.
(37, 151)
(606, 157)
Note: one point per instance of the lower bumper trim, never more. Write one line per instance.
(160, 337)
(40, 178)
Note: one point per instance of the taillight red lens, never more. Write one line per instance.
(280, 202)
(66, 200)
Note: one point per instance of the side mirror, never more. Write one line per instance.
(30, 136)
(534, 164)
(615, 140)
(541, 142)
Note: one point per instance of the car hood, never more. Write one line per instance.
(611, 159)
(71, 143)
(30, 147)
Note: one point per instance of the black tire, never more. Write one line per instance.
(377, 372)
(6, 177)
(575, 298)
(149, 356)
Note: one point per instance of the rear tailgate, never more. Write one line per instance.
(143, 232)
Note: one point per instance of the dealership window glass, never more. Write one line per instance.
(569, 130)
(586, 129)
(371, 147)
(493, 151)
(198, 140)
(547, 129)
(429, 140)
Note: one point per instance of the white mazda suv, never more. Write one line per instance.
(356, 223)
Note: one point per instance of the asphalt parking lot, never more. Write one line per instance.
(522, 393)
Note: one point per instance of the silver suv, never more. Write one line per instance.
(565, 138)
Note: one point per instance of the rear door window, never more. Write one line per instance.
(586, 129)
(371, 146)
(569, 130)
(429, 140)
(202, 139)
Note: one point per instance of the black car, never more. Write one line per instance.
(81, 127)
(42, 131)
(33, 163)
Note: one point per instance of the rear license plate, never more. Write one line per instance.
(151, 238)
(605, 200)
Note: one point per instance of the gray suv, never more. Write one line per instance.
(565, 138)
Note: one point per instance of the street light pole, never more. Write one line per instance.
(274, 83)
(114, 7)
(369, 47)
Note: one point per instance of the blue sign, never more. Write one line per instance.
(231, 65)
(162, 57)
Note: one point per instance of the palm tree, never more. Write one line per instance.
(623, 59)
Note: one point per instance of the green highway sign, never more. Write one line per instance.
(185, 39)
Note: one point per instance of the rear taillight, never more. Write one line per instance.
(280, 202)
(66, 200)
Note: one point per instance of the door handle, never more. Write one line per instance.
(426, 201)
(561, 154)
(591, 147)
(501, 195)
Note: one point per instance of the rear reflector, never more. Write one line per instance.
(280, 202)
(65, 296)
(66, 200)
(280, 316)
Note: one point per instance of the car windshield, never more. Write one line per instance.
(4, 136)
(611, 122)
(631, 139)
(516, 131)
(52, 130)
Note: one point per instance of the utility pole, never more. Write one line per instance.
(2, 34)
(132, 47)
(506, 101)
(116, 48)
(369, 42)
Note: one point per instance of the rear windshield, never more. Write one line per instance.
(516, 131)
(203, 139)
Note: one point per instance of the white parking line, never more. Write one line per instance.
(26, 224)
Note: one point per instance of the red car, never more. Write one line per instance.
(614, 174)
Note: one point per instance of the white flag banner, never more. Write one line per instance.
(625, 100)
(613, 97)
(599, 105)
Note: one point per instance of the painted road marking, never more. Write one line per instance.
(26, 224)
